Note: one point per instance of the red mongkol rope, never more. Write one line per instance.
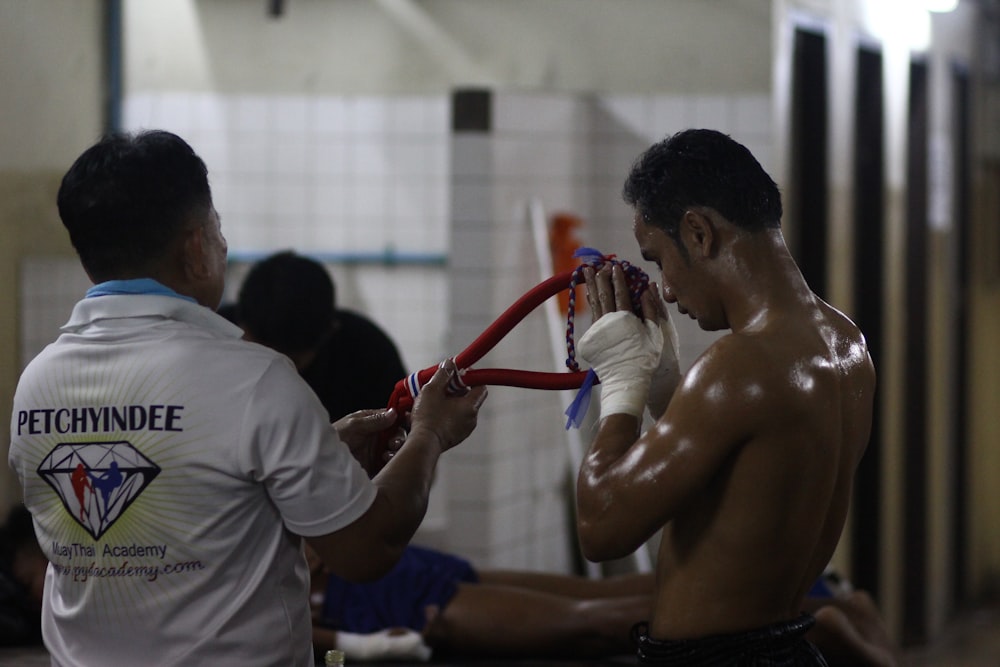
(408, 388)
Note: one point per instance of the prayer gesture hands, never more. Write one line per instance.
(635, 360)
(608, 292)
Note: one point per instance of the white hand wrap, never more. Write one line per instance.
(667, 375)
(395, 644)
(623, 351)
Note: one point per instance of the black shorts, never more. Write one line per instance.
(780, 644)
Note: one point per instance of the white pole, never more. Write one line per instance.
(557, 339)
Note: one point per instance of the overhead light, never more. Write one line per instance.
(941, 6)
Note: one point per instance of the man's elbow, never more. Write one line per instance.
(598, 546)
(363, 564)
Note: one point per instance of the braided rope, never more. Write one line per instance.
(408, 388)
(636, 278)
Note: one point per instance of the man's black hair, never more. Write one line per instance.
(286, 302)
(702, 168)
(128, 197)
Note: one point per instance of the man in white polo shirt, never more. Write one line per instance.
(173, 469)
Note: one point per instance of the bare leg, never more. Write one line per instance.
(496, 620)
(849, 631)
(580, 588)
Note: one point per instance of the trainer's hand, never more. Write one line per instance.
(450, 418)
(360, 432)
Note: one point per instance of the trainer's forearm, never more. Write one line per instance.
(405, 483)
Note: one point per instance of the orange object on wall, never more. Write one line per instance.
(562, 244)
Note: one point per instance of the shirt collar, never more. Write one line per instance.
(134, 286)
(123, 306)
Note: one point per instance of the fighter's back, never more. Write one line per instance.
(783, 410)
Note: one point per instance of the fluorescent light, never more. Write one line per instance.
(941, 6)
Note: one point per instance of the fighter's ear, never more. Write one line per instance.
(699, 233)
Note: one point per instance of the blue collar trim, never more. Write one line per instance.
(134, 286)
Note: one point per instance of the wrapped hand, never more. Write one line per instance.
(624, 351)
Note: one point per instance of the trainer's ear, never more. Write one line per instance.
(196, 263)
(699, 233)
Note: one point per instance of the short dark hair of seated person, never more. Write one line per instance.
(288, 302)
(22, 574)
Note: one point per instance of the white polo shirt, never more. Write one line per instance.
(169, 466)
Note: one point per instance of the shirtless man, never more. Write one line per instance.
(749, 469)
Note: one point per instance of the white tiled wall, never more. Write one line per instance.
(338, 178)
(49, 288)
(320, 173)
(348, 177)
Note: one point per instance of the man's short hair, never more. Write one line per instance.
(127, 198)
(287, 302)
(702, 168)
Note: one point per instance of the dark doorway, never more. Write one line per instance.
(915, 363)
(869, 243)
(809, 155)
(959, 472)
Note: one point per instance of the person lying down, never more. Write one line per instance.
(435, 605)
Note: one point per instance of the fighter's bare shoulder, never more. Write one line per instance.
(735, 366)
(739, 382)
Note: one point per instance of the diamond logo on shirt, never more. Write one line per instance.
(97, 481)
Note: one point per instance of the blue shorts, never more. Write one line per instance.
(820, 589)
(422, 577)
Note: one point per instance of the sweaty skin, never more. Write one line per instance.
(749, 470)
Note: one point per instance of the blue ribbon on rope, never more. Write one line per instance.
(577, 410)
(589, 255)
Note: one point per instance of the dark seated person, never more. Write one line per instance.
(288, 302)
(22, 576)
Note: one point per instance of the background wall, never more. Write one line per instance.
(310, 151)
(50, 52)
(329, 129)
(432, 46)
(363, 171)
